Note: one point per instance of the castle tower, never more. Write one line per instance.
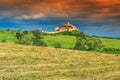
(66, 27)
(57, 28)
(68, 22)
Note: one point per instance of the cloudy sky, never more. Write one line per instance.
(96, 17)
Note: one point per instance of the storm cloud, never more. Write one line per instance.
(100, 13)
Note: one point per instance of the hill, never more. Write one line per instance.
(66, 39)
(22, 62)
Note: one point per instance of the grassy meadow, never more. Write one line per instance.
(111, 43)
(9, 36)
(67, 42)
(22, 62)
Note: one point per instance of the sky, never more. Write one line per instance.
(95, 17)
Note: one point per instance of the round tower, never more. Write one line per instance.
(57, 28)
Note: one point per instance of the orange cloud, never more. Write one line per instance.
(76, 9)
(32, 16)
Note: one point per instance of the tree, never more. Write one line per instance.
(26, 39)
(23, 37)
(19, 36)
(57, 45)
(37, 36)
(86, 42)
(25, 32)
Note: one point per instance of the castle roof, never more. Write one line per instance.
(68, 25)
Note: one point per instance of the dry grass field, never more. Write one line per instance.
(22, 62)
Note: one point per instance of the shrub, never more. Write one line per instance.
(26, 39)
(19, 36)
(12, 32)
(25, 32)
(72, 33)
(110, 49)
(86, 42)
(23, 38)
(57, 45)
(36, 36)
(3, 41)
(40, 43)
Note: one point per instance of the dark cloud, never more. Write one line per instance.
(81, 12)
(80, 9)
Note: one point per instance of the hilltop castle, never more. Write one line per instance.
(66, 27)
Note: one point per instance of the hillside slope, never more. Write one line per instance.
(66, 41)
(21, 62)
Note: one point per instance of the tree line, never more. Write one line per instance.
(33, 39)
(84, 41)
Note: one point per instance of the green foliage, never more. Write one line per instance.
(26, 39)
(71, 33)
(23, 37)
(3, 40)
(110, 50)
(19, 36)
(25, 32)
(86, 42)
(67, 41)
(36, 36)
(57, 45)
(40, 43)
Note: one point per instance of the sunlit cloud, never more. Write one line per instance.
(32, 16)
(80, 12)
(80, 9)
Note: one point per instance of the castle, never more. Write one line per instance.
(66, 27)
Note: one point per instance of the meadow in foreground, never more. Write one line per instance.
(21, 62)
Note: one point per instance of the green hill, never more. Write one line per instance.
(21, 62)
(66, 41)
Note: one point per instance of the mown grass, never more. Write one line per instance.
(9, 36)
(111, 43)
(21, 62)
(65, 40)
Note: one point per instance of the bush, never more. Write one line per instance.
(57, 45)
(40, 43)
(3, 41)
(86, 42)
(37, 36)
(25, 32)
(72, 33)
(19, 36)
(23, 38)
(110, 49)
(26, 39)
